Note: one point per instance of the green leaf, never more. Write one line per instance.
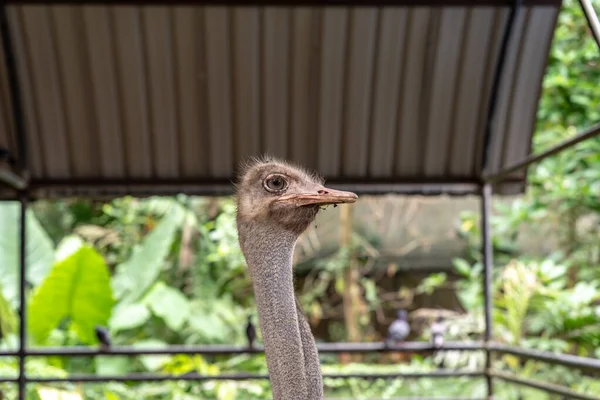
(77, 288)
(169, 304)
(152, 362)
(8, 319)
(112, 365)
(39, 254)
(137, 274)
(209, 325)
(462, 267)
(129, 316)
(67, 246)
(111, 396)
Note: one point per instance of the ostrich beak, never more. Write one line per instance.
(323, 196)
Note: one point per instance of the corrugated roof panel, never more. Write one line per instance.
(247, 79)
(74, 77)
(535, 42)
(387, 86)
(305, 46)
(276, 65)
(334, 59)
(470, 90)
(6, 121)
(192, 92)
(6, 141)
(48, 88)
(102, 92)
(409, 154)
(363, 28)
(157, 25)
(132, 76)
(220, 116)
(34, 145)
(442, 104)
(391, 93)
(506, 91)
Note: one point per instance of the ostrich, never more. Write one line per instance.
(276, 202)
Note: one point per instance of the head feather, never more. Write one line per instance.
(252, 162)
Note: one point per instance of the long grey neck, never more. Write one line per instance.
(289, 346)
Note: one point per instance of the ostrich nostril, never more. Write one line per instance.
(322, 192)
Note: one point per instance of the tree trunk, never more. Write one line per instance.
(351, 295)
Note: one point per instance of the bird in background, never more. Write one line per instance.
(438, 329)
(399, 329)
(250, 332)
(103, 336)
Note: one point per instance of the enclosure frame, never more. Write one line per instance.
(483, 188)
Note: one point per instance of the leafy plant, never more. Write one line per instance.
(77, 289)
(139, 272)
(39, 250)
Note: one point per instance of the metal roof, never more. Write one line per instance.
(119, 98)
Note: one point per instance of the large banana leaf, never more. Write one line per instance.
(140, 271)
(77, 288)
(39, 250)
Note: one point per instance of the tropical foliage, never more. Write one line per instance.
(162, 271)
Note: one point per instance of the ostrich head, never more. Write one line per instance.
(276, 202)
(275, 194)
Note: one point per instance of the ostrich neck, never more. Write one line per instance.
(289, 346)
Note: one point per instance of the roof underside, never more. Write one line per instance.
(169, 99)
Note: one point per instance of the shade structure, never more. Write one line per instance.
(118, 98)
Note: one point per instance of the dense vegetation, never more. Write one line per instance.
(168, 270)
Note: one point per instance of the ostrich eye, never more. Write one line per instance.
(275, 183)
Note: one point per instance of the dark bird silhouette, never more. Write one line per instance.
(438, 328)
(399, 329)
(250, 332)
(103, 336)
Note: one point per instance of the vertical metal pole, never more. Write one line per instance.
(15, 91)
(19, 124)
(22, 301)
(488, 263)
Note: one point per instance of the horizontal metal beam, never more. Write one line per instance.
(504, 173)
(340, 347)
(312, 3)
(143, 377)
(98, 187)
(417, 398)
(544, 386)
(589, 365)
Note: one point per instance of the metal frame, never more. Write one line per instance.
(484, 188)
(314, 3)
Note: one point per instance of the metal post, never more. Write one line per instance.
(486, 198)
(592, 19)
(503, 174)
(15, 92)
(22, 302)
(19, 122)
